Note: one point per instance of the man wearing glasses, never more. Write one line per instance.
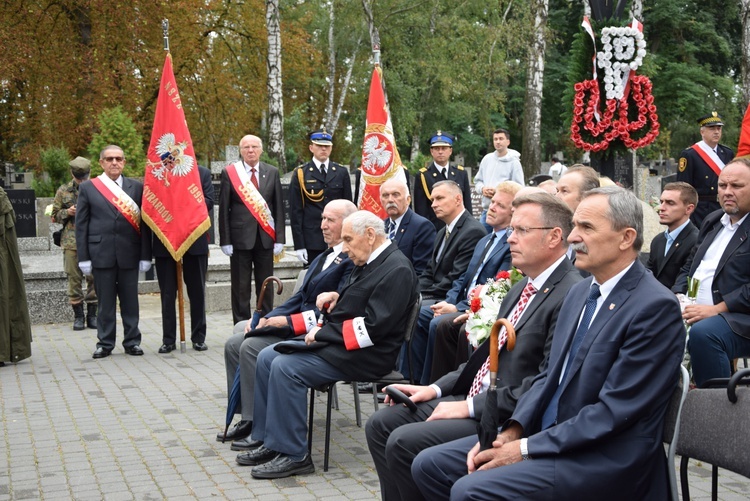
(110, 244)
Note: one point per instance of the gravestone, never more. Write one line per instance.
(24, 204)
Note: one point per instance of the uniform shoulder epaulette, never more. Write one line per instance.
(460, 167)
(423, 169)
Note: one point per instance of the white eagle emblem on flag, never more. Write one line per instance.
(173, 159)
(376, 154)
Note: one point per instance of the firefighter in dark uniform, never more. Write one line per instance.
(440, 169)
(312, 186)
(701, 164)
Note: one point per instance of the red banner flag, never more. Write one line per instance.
(380, 159)
(743, 148)
(173, 205)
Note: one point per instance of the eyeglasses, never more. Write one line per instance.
(113, 159)
(523, 231)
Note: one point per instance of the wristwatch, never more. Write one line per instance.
(525, 449)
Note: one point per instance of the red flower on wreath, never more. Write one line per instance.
(476, 304)
(502, 274)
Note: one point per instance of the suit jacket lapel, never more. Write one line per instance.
(705, 244)
(403, 226)
(737, 239)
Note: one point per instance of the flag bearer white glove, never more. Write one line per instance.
(227, 249)
(277, 248)
(302, 255)
(85, 267)
(144, 266)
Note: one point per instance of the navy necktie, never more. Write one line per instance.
(550, 414)
(391, 229)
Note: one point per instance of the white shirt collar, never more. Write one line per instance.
(674, 234)
(606, 288)
(318, 163)
(727, 222)
(453, 223)
(378, 251)
(540, 279)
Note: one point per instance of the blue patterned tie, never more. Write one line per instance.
(550, 414)
(392, 230)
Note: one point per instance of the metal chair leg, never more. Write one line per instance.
(310, 420)
(684, 478)
(357, 412)
(328, 427)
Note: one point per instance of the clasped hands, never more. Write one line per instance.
(325, 303)
(506, 449)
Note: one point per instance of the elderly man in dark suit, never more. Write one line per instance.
(360, 341)
(195, 266)
(720, 319)
(251, 224)
(329, 271)
(590, 426)
(670, 250)
(454, 247)
(449, 409)
(112, 242)
(414, 235)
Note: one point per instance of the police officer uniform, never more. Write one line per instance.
(66, 197)
(700, 167)
(430, 175)
(310, 190)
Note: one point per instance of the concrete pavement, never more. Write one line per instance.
(144, 428)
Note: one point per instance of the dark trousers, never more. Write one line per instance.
(194, 274)
(111, 284)
(241, 266)
(451, 348)
(395, 436)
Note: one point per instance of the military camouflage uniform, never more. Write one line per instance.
(67, 196)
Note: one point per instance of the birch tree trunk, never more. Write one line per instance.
(636, 10)
(275, 95)
(745, 60)
(331, 69)
(334, 122)
(532, 122)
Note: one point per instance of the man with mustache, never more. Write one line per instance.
(720, 317)
(414, 235)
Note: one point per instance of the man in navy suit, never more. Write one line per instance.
(195, 266)
(109, 241)
(414, 235)
(452, 406)
(720, 318)
(491, 254)
(251, 224)
(670, 250)
(590, 426)
(329, 271)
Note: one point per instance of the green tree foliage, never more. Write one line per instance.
(54, 171)
(116, 127)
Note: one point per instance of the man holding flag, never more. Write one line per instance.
(176, 201)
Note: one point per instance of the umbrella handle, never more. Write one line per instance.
(510, 341)
(279, 290)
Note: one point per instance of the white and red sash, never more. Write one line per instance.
(115, 195)
(709, 156)
(251, 197)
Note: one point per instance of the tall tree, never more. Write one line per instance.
(275, 91)
(532, 124)
(745, 60)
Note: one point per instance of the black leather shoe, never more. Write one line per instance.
(134, 350)
(246, 444)
(200, 346)
(167, 348)
(101, 353)
(237, 432)
(282, 466)
(256, 456)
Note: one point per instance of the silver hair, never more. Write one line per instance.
(111, 147)
(250, 136)
(624, 211)
(400, 183)
(362, 219)
(555, 212)
(342, 207)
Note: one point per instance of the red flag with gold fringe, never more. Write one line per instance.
(380, 158)
(173, 204)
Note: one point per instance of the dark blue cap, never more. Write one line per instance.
(321, 137)
(712, 119)
(442, 139)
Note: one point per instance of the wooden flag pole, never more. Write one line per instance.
(181, 306)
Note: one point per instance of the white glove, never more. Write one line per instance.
(144, 266)
(302, 255)
(85, 267)
(277, 248)
(227, 249)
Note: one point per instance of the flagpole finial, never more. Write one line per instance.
(165, 33)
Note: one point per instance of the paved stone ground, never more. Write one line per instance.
(144, 428)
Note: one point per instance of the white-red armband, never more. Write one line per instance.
(303, 322)
(355, 334)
